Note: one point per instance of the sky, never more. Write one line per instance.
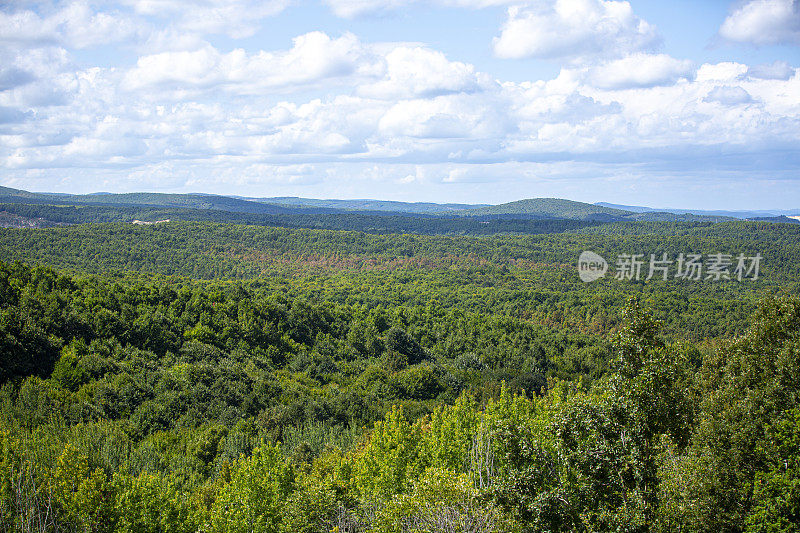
(692, 104)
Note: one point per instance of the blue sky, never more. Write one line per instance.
(666, 104)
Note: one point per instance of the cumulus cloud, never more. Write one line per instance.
(75, 25)
(724, 71)
(418, 71)
(155, 25)
(539, 104)
(443, 117)
(640, 70)
(729, 96)
(469, 122)
(779, 70)
(10, 115)
(36, 77)
(11, 77)
(313, 57)
(235, 18)
(574, 30)
(764, 22)
(383, 71)
(327, 106)
(412, 122)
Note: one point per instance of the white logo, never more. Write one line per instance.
(591, 266)
(717, 267)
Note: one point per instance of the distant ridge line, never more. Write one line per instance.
(526, 209)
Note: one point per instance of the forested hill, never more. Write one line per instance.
(191, 201)
(136, 405)
(296, 211)
(531, 277)
(217, 372)
(236, 204)
(39, 215)
(551, 208)
(100, 247)
(370, 205)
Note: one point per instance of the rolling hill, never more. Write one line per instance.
(550, 208)
(427, 208)
(741, 214)
(520, 210)
(186, 201)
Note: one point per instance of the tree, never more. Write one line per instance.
(253, 501)
(742, 456)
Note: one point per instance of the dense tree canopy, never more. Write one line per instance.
(209, 377)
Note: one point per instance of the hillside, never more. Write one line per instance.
(568, 209)
(741, 214)
(20, 195)
(42, 215)
(428, 208)
(549, 208)
(193, 201)
(524, 276)
(301, 212)
(664, 216)
(782, 219)
(188, 201)
(235, 204)
(192, 376)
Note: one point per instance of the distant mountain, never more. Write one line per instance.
(190, 201)
(529, 209)
(550, 208)
(428, 208)
(236, 204)
(662, 216)
(193, 201)
(8, 192)
(782, 219)
(708, 213)
(568, 209)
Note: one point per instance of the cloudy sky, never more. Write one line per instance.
(687, 103)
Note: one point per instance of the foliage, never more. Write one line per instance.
(339, 381)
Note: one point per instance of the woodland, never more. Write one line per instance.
(224, 374)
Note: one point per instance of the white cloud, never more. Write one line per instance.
(313, 57)
(640, 70)
(38, 77)
(574, 30)
(725, 71)
(778, 70)
(235, 18)
(535, 105)
(325, 108)
(764, 22)
(729, 96)
(75, 25)
(443, 117)
(10, 115)
(418, 71)
(382, 71)
(170, 39)
(23, 26)
(568, 116)
(11, 77)
(155, 25)
(354, 8)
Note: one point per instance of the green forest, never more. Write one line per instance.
(232, 372)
